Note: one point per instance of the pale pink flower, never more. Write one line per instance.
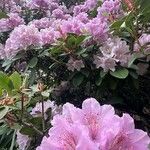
(93, 127)
(124, 136)
(23, 141)
(65, 136)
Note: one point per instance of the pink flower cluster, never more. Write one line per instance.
(112, 52)
(7, 24)
(21, 38)
(110, 9)
(42, 4)
(57, 22)
(88, 5)
(11, 6)
(143, 43)
(93, 127)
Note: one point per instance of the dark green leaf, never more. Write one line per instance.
(33, 62)
(27, 131)
(78, 79)
(98, 81)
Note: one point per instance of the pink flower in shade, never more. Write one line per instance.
(112, 52)
(124, 136)
(75, 64)
(107, 63)
(2, 52)
(93, 127)
(143, 43)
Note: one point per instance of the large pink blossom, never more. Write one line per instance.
(93, 127)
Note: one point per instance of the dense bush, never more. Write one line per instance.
(53, 52)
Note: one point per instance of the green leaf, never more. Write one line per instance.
(33, 62)
(56, 50)
(3, 111)
(16, 80)
(74, 41)
(85, 72)
(116, 100)
(98, 81)
(71, 41)
(103, 74)
(133, 58)
(5, 82)
(37, 121)
(13, 140)
(27, 131)
(3, 15)
(117, 24)
(80, 39)
(78, 79)
(120, 73)
(113, 84)
(133, 74)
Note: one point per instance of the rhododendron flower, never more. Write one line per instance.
(143, 43)
(67, 137)
(7, 24)
(72, 25)
(142, 68)
(37, 110)
(107, 63)
(21, 38)
(23, 141)
(42, 23)
(93, 127)
(88, 5)
(49, 35)
(75, 64)
(124, 136)
(110, 8)
(112, 52)
(97, 29)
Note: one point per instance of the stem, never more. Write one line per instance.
(22, 105)
(13, 140)
(43, 119)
